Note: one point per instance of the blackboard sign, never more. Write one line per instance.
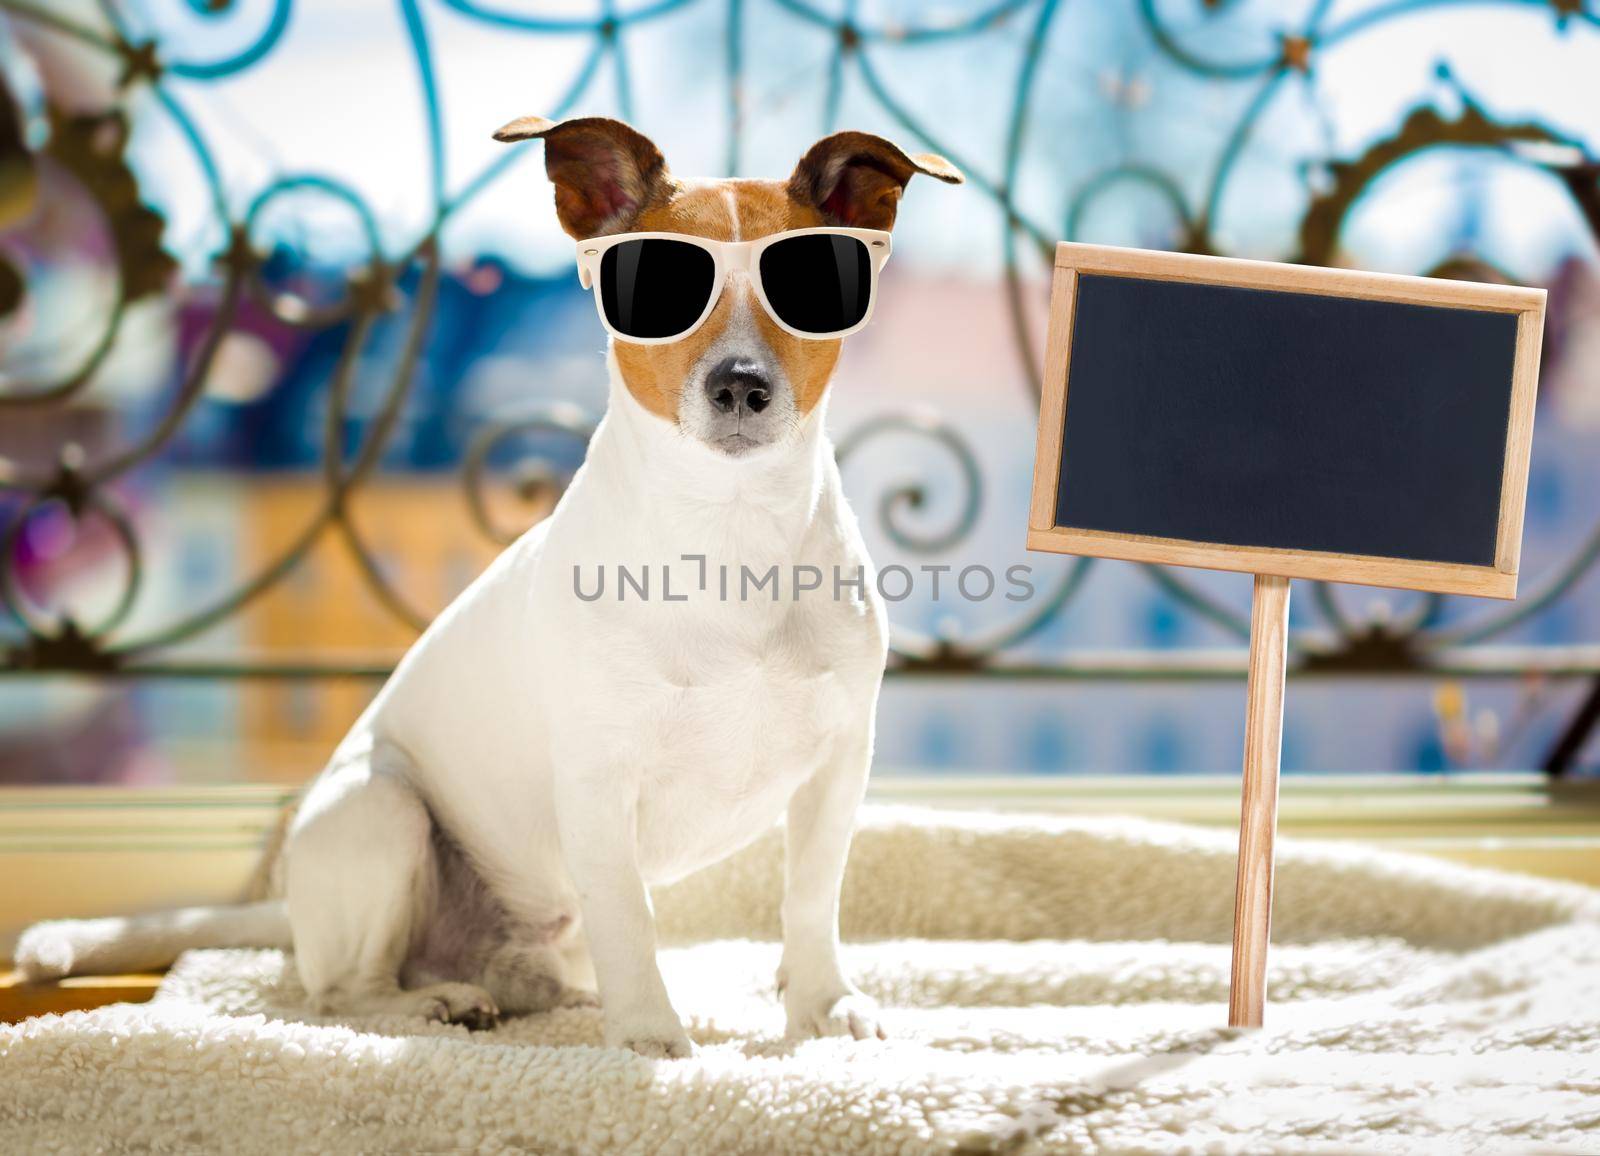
(1286, 420)
(1289, 422)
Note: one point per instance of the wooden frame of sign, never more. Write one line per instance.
(1274, 566)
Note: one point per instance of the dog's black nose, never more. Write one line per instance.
(736, 384)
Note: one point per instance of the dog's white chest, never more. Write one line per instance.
(729, 747)
(695, 710)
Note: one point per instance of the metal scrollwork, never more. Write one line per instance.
(1422, 638)
(60, 638)
(535, 483)
(905, 496)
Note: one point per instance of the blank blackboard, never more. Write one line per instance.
(1287, 420)
(1246, 416)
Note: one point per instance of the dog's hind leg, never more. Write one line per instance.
(541, 969)
(360, 879)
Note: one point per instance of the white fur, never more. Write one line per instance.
(584, 751)
(576, 753)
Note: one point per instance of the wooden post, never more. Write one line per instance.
(1258, 816)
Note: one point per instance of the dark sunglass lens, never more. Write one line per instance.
(655, 287)
(820, 283)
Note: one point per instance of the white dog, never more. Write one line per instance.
(485, 838)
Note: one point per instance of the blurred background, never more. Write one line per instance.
(289, 347)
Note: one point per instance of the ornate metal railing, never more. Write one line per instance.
(1422, 641)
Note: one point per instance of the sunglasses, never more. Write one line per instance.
(660, 287)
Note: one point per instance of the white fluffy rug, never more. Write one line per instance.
(1056, 985)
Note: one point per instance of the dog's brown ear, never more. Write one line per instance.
(855, 179)
(604, 172)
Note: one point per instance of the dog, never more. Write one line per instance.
(484, 840)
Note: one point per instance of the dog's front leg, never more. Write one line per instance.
(818, 998)
(597, 815)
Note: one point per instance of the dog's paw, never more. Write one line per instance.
(456, 1003)
(851, 1014)
(655, 1048)
(656, 1038)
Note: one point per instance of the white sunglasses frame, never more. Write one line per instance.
(729, 257)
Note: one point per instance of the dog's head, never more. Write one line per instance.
(740, 381)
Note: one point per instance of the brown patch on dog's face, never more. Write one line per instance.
(745, 210)
(740, 381)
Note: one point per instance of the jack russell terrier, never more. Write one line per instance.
(485, 838)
